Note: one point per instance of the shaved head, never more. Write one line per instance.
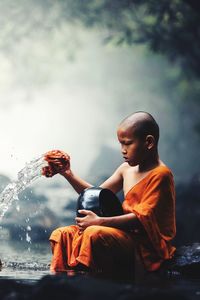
(142, 124)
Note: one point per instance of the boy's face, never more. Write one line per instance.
(133, 149)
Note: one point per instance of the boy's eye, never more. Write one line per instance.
(125, 143)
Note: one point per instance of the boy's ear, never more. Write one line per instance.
(150, 141)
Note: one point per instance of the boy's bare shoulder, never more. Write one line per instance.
(161, 169)
(124, 166)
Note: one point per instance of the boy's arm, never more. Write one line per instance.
(127, 221)
(59, 162)
(76, 182)
(115, 181)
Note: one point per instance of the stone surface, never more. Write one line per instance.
(86, 288)
(186, 262)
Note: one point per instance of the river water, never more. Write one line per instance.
(23, 261)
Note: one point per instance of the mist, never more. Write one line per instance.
(62, 87)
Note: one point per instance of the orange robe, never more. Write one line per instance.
(153, 202)
(100, 247)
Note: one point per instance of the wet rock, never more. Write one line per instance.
(55, 287)
(186, 262)
(188, 211)
(11, 289)
(79, 287)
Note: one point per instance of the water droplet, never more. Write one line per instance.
(28, 228)
(28, 238)
(15, 197)
(17, 207)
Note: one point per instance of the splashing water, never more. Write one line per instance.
(28, 238)
(25, 177)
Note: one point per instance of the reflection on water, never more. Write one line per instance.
(24, 261)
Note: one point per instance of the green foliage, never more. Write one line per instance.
(168, 27)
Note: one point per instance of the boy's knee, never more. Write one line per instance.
(58, 230)
(93, 230)
(57, 233)
(96, 233)
(67, 229)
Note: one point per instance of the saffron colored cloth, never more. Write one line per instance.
(153, 201)
(97, 247)
(101, 247)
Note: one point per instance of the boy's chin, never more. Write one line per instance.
(132, 163)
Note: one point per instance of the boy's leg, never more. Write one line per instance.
(61, 241)
(107, 249)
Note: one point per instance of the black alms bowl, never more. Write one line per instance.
(102, 202)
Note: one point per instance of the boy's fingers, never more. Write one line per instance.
(61, 163)
(57, 154)
(84, 211)
(54, 160)
(78, 219)
(56, 165)
(48, 171)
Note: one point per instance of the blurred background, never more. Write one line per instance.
(70, 72)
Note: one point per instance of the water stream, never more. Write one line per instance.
(23, 259)
(25, 177)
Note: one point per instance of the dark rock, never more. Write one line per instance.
(55, 287)
(186, 262)
(188, 211)
(78, 287)
(11, 289)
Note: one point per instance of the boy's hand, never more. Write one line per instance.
(90, 219)
(48, 171)
(59, 162)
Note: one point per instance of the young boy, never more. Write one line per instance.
(148, 222)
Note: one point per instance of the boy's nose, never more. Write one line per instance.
(124, 151)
